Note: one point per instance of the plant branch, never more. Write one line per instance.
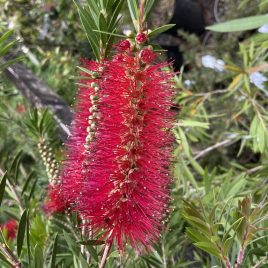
(105, 254)
(10, 256)
(213, 147)
(12, 188)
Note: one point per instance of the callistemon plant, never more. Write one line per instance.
(125, 189)
(116, 173)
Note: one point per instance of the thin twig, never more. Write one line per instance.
(214, 92)
(253, 170)
(105, 254)
(10, 256)
(260, 262)
(240, 258)
(83, 232)
(213, 147)
(164, 256)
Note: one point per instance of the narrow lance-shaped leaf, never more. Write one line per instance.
(160, 30)
(248, 23)
(21, 232)
(28, 239)
(29, 178)
(134, 12)
(116, 8)
(148, 7)
(2, 187)
(38, 257)
(5, 36)
(54, 253)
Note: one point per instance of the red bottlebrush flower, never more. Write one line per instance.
(72, 172)
(20, 108)
(123, 45)
(141, 38)
(126, 177)
(147, 55)
(55, 202)
(11, 227)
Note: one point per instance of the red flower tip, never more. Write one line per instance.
(141, 38)
(123, 45)
(55, 202)
(11, 227)
(147, 55)
(119, 57)
(20, 108)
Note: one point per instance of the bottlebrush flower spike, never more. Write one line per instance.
(84, 118)
(127, 176)
(55, 202)
(11, 227)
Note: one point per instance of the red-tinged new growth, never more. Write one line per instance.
(10, 227)
(141, 38)
(127, 176)
(83, 132)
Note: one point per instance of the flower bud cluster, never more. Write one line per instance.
(92, 118)
(52, 167)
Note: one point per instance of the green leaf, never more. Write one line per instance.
(102, 27)
(29, 178)
(113, 34)
(117, 8)
(88, 24)
(93, 252)
(71, 243)
(184, 142)
(234, 227)
(5, 36)
(93, 5)
(91, 242)
(134, 12)
(160, 30)
(209, 247)
(6, 48)
(38, 257)
(85, 71)
(21, 231)
(82, 262)
(54, 253)
(15, 165)
(28, 240)
(2, 187)
(236, 187)
(191, 123)
(248, 23)
(10, 62)
(196, 222)
(227, 245)
(189, 175)
(148, 7)
(196, 166)
(32, 189)
(195, 236)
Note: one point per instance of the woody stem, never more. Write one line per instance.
(105, 254)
